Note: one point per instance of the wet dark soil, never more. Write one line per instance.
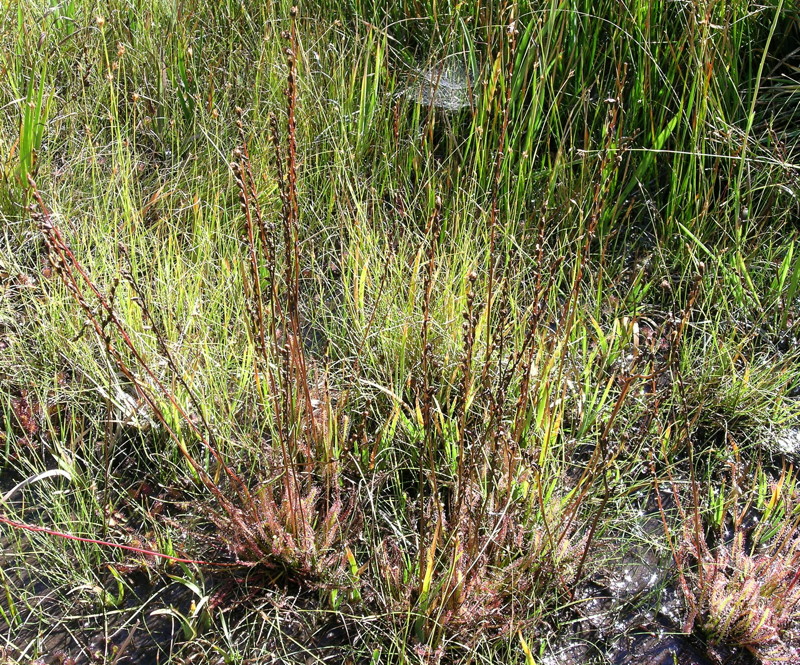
(60, 628)
(628, 612)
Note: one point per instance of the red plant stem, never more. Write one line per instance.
(792, 583)
(494, 210)
(138, 550)
(71, 265)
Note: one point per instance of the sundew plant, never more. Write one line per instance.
(412, 332)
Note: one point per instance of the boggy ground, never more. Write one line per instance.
(415, 333)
